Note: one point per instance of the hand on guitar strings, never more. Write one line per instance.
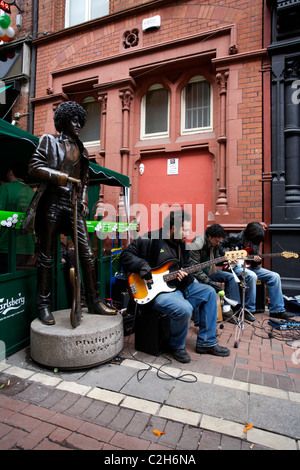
(181, 275)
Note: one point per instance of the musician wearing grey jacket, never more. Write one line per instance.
(155, 249)
(204, 248)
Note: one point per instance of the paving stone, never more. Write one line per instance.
(122, 419)
(274, 414)
(107, 415)
(79, 406)
(137, 424)
(190, 438)
(209, 441)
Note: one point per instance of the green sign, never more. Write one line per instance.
(15, 220)
(109, 227)
(11, 219)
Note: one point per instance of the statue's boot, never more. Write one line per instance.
(44, 295)
(94, 303)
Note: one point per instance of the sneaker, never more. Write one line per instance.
(215, 350)
(181, 355)
(283, 315)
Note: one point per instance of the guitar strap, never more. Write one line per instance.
(179, 255)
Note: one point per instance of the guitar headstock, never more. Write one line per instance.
(233, 255)
(289, 254)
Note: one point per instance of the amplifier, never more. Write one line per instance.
(119, 293)
(152, 331)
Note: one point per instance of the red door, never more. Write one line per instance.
(174, 180)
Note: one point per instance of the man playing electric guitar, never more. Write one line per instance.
(251, 237)
(156, 248)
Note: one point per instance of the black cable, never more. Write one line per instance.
(274, 333)
(159, 370)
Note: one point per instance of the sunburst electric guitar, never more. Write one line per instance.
(142, 292)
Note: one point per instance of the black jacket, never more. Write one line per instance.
(46, 165)
(151, 251)
(236, 242)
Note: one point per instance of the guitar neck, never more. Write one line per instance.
(265, 255)
(192, 269)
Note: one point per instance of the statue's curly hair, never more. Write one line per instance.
(65, 112)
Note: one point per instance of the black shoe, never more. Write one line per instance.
(100, 307)
(249, 316)
(283, 315)
(181, 355)
(215, 350)
(46, 316)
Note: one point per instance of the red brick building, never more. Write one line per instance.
(177, 94)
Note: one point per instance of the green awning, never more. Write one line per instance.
(19, 145)
(101, 175)
(8, 130)
(15, 144)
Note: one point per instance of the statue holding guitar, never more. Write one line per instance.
(249, 239)
(60, 205)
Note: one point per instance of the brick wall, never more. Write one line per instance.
(102, 38)
(250, 146)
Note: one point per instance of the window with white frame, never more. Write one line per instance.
(196, 105)
(155, 112)
(79, 11)
(90, 133)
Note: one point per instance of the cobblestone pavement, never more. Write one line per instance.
(155, 405)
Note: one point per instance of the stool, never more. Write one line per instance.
(152, 330)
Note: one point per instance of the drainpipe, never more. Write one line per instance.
(33, 65)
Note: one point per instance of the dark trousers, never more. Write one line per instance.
(58, 217)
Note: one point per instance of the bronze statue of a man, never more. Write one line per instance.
(61, 164)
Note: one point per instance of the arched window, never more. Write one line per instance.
(155, 112)
(196, 108)
(90, 134)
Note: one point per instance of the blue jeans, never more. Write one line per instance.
(231, 286)
(270, 278)
(179, 306)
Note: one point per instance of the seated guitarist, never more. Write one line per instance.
(251, 237)
(203, 248)
(155, 249)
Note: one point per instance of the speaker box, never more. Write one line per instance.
(119, 292)
(152, 330)
(260, 296)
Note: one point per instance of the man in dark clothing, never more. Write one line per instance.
(155, 249)
(61, 163)
(251, 238)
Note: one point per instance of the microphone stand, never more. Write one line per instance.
(239, 315)
(241, 312)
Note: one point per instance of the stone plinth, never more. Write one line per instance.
(98, 339)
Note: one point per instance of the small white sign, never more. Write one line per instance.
(172, 166)
(151, 23)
